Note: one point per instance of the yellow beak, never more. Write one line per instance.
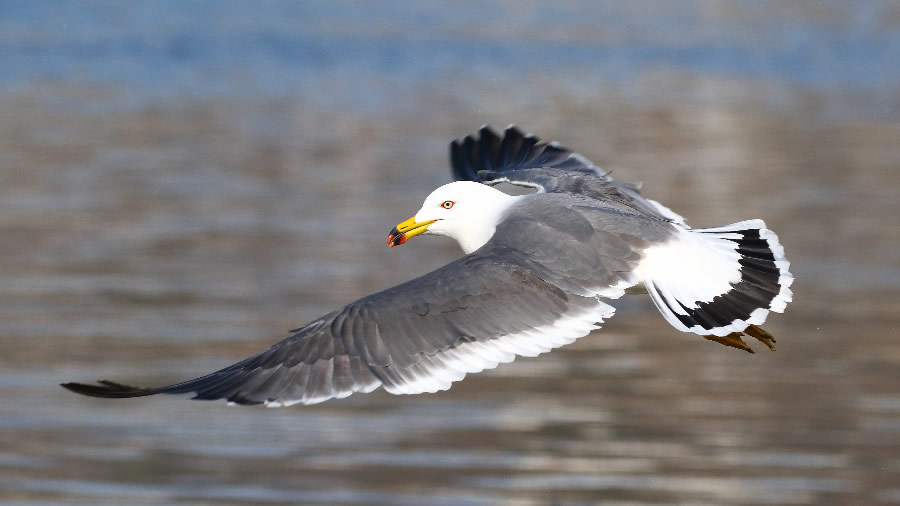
(407, 229)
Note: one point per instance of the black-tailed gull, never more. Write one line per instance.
(537, 273)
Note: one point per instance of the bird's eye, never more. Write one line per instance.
(447, 204)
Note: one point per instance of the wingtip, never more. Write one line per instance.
(108, 390)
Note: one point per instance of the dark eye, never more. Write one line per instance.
(447, 204)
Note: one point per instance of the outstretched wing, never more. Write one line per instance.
(420, 336)
(524, 160)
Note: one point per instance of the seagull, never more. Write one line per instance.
(538, 272)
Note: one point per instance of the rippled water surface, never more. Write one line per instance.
(181, 183)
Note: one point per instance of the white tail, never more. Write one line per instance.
(716, 281)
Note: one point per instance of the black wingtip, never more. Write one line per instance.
(488, 151)
(485, 151)
(108, 390)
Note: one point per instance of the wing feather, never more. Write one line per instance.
(524, 160)
(420, 336)
(488, 152)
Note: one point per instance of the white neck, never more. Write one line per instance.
(476, 237)
(479, 229)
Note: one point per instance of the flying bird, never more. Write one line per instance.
(537, 274)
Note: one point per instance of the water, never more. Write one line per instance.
(183, 183)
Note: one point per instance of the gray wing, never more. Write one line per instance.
(420, 336)
(524, 160)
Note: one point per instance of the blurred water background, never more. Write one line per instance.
(182, 182)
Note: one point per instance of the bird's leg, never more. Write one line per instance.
(761, 335)
(734, 339)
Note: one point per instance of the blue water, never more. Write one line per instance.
(373, 52)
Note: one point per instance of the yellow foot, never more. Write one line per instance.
(734, 339)
(761, 335)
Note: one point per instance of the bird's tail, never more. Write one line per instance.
(719, 282)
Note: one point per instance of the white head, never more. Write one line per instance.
(463, 210)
